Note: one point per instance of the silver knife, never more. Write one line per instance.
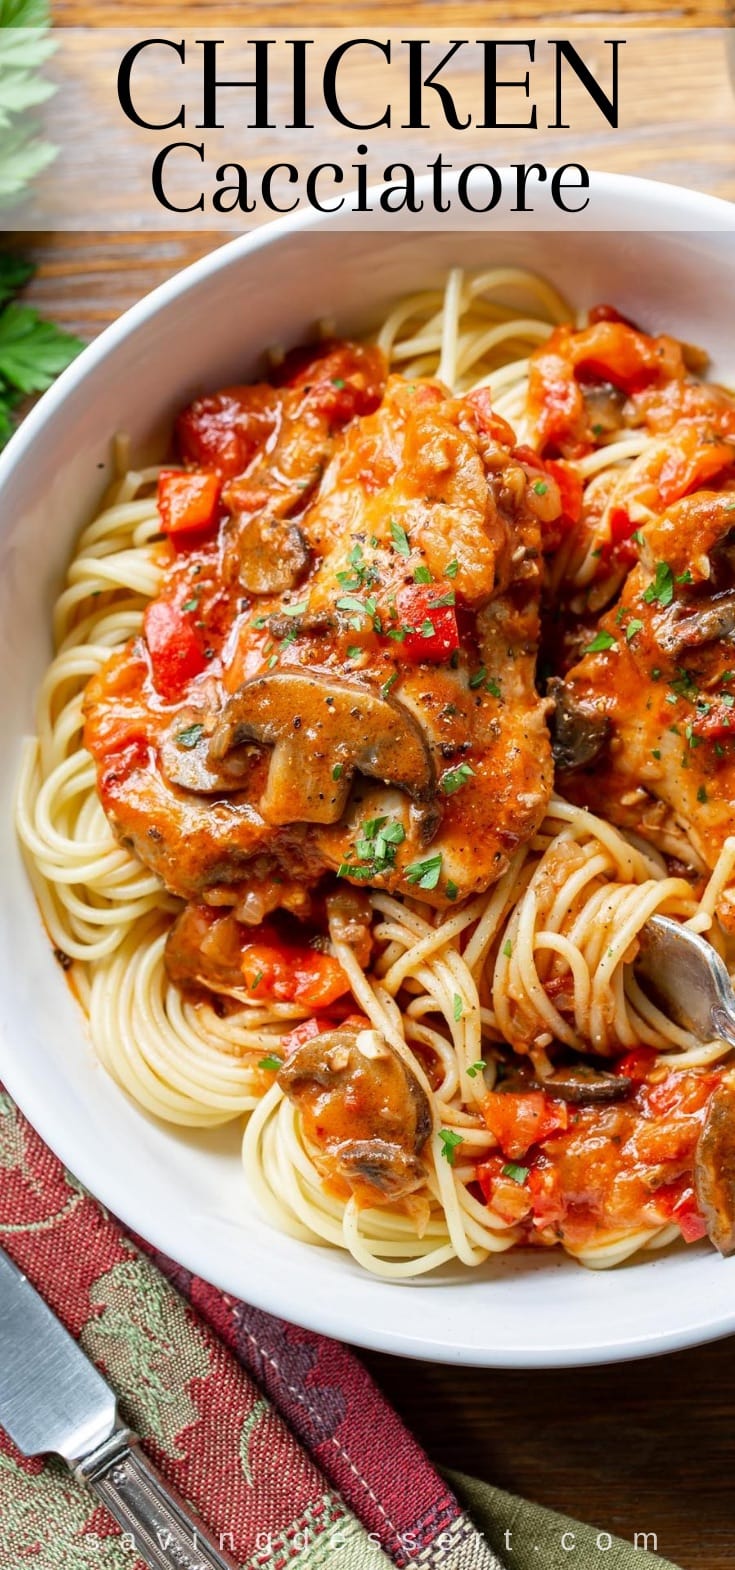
(53, 1399)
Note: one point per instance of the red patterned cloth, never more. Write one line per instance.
(277, 1436)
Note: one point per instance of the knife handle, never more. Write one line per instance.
(165, 1533)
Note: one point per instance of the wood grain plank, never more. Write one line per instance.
(381, 13)
(645, 1447)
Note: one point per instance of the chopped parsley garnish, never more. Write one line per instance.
(656, 752)
(427, 629)
(476, 1068)
(661, 590)
(272, 1061)
(360, 609)
(492, 686)
(478, 677)
(456, 778)
(261, 621)
(338, 381)
(257, 978)
(632, 628)
(457, 1006)
(363, 575)
(702, 793)
(421, 574)
(375, 848)
(388, 683)
(354, 651)
(398, 634)
(192, 604)
(451, 569)
(602, 640)
(515, 1173)
(450, 1139)
(425, 874)
(540, 487)
(507, 948)
(295, 610)
(684, 577)
(637, 537)
(452, 889)
(337, 771)
(190, 737)
(444, 599)
(400, 538)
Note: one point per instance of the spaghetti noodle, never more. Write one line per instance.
(538, 960)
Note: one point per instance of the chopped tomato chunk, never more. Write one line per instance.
(188, 501)
(691, 1225)
(430, 627)
(308, 1028)
(521, 1119)
(176, 653)
(571, 487)
(291, 974)
(490, 423)
(718, 721)
(637, 1065)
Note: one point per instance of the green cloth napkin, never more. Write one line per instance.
(539, 1539)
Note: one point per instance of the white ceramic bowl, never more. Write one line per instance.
(185, 1192)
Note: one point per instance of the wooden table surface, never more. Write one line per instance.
(647, 1447)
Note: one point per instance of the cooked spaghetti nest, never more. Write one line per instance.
(444, 987)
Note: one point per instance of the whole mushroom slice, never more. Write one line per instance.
(578, 730)
(364, 1115)
(185, 758)
(584, 1086)
(322, 728)
(714, 1167)
(273, 555)
(709, 622)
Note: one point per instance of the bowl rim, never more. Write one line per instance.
(105, 1183)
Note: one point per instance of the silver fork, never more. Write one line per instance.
(687, 978)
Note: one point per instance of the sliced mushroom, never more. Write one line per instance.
(322, 728)
(310, 624)
(698, 626)
(583, 1086)
(364, 1114)
(186, 761)
(273, 555)
(205, 949)
(714, 1167)
(578, 730)
(350, 916)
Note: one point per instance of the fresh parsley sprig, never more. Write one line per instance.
(32, 351)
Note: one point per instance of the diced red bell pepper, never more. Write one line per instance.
(521, 1119)
(431, 629)
(188, 501)
(291, 974)
(176, 652)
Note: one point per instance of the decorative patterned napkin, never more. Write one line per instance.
(276, 1435)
